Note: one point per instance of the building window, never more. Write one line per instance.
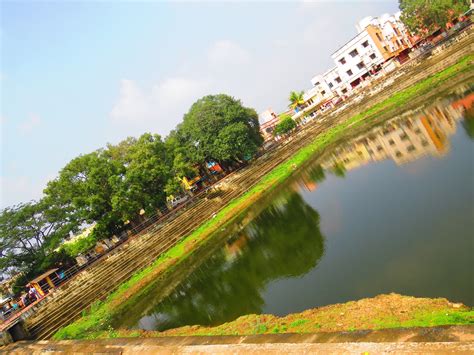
(338, 80)
(342, 60)
(330, 85)
(360, 65)
(353, 53)
(365, 44)
(411, 148)
(344, 91)
(403, 137)
(398, 154)
(391, 142)
(385, 48)
(349, 72)
(379, 148)
(317, 83)
(417, 131)
(424, 143)
(323, 92)
(378, 36)
(372, 56)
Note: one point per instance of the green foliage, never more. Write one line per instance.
(287, 124)
(29, 233)
(142, 186)
(296, 99)
(298, 322)
(260, 329)
(80, 245)
(219, 128)
(85, 187)
(422, 17)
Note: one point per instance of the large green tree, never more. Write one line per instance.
(423, 16)
(86, 186)
(142, 186)
(220, 128)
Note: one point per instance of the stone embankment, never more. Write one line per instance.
(437, 340)
(100, 279)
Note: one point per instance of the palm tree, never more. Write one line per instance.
(296, 99)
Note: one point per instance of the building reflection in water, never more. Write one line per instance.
(404, 139)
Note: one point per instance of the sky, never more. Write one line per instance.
(76, 75)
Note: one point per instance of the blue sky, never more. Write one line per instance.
(76, 75)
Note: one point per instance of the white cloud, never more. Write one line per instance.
(158, 109)
(30, 124)
(133, 104)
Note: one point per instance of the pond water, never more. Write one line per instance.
(391, 210)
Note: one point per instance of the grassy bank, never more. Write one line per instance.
(101, 314)
(381, 312)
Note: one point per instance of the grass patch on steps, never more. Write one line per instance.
(100, 315)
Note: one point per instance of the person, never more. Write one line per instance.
(33, 292)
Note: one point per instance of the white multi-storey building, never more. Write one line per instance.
(378, 40)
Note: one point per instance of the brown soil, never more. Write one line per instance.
(383, 311)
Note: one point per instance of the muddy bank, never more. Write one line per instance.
(380, 312)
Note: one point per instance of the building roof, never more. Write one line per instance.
(42, 276)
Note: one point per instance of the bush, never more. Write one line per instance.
(286, 125)
(80, 245)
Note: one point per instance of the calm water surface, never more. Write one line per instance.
(389, 211)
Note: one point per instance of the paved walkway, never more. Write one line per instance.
(447, 339)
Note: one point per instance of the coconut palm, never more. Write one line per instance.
(296, 99)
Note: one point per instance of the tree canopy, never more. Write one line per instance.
(421, 16)
(220, 128)
(296, 99)
(285, 125)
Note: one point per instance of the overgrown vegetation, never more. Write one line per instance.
(423, 17)
(102, 313)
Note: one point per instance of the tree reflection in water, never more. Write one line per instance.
(283, 241)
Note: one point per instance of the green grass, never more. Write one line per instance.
(101, 313)
(298, 322)
(428, 319)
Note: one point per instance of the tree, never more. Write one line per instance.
(296, 99)
(422, 17)
(220, 128)
(85, 187)
(29, 234)
(286, 125)
(142, 186)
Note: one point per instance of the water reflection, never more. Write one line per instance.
(275, 245)
(406, 139)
